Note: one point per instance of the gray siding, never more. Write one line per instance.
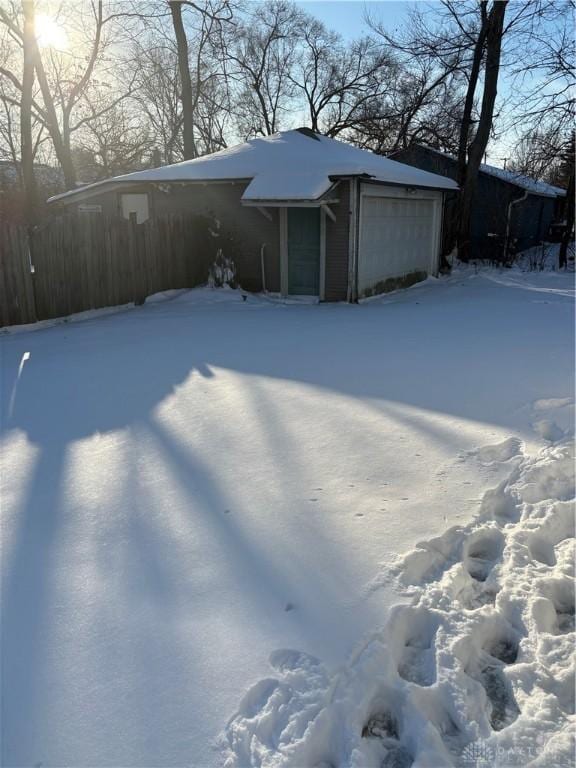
(243, 229)
(337, 245)
(534, 216)
(246, 228)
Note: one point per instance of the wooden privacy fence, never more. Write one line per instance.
(86, 261)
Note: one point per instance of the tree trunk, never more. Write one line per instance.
(62, 151)
(478, 146)
(470, 93)
(27, 146)
(567, 234)
(185, 80)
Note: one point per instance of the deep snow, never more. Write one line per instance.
(190, 486)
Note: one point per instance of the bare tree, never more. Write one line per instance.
(424, 100)
(27, 152)
(158, 95)
(260, 56)
(464, 42)
(338, 82)
(477, 41)
(64, 77)
(186, 95)
(544, 73)
(542, 70)
(212, 15)
(113, 141)
(541, 153)
(477, 148)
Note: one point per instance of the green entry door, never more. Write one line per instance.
(304, 251)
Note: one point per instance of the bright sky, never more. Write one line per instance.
(347, 16)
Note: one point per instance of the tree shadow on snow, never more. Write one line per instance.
(103, 380)
(109, 377)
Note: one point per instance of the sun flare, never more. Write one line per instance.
(50, 34)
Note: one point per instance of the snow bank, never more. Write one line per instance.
(477, 670)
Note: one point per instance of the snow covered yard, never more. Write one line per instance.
(192, 486)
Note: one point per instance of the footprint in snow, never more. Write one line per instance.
(559, 594)
(481, 552)
(498, 649)
(504, 451)
(412, 634)
(558, 526)
(483, 548)
(429, 560)
(548, 430)
(384, 725)
(499, 504)
(504, 709)
(504, 649)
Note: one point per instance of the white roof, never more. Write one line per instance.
(525, 182)
(290, 165)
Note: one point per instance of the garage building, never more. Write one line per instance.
(303, 214)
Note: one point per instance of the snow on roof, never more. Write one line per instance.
(525, 182)
(291, 165)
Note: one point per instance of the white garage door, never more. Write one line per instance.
(396, 237)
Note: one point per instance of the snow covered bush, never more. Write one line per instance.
(538, 257)
(222, 272)
(541, 258)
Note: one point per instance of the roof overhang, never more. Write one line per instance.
(119, 185)
(113, 185)
(289, 203)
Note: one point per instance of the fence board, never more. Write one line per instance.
(16, 289)
(87, 261)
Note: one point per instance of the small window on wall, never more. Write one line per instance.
(135, 203)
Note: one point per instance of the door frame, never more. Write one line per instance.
(284, 250)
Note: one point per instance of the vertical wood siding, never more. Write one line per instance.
(337, 245)
(88, 261)
(245, 227)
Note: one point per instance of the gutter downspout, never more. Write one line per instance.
(509, 219)
(440, 256)
(262, 267)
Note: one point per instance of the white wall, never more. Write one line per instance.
(399, 233)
